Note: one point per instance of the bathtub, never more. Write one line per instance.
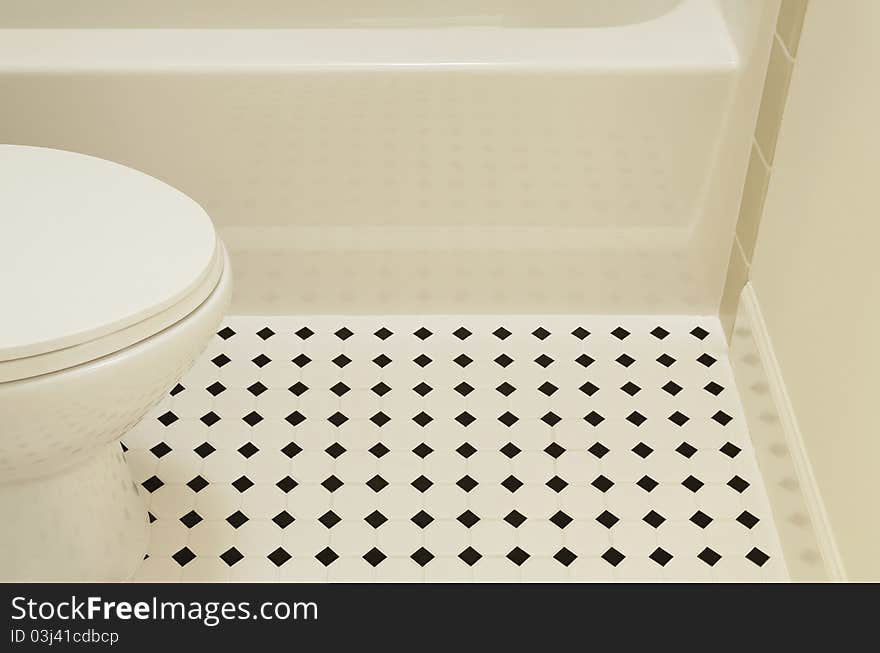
(460, 157)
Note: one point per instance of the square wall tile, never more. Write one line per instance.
(737, 276)
(773, 100)
(790, 23)
(752, 205)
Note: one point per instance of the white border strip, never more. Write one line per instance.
(794, 440)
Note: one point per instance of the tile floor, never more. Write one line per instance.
(455, 448)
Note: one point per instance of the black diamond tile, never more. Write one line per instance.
(547, 388)
(382, 360)
(331, 483)
(699, 333)
(221, 360)
(191, 518)
(636, 418)
(630, 388)
(286, 484)
(642, 450)
(561, 519)
(421, 360)
(279, 556)
(613, 557)
(422, 483)
(470, 556)
(551, 419)
(463, 360)
(665, 360)
(602, 483)
(731, 450)
(291, 449)
(510, 450)
(242, 483)
(598, 449)
(508, 419)
(512, 483)
(257, 389)
(261, 361)
(504, 360)
(679, 418)
(298, 388)
(167, 419)
(301, 361)
(607, 519)
(506, 389)
(205, 449)
(377, 483)
(422, 389)
(341, 361)
(647, 483)
(501, 333)
(237, 519)
(686, 450)
(423, 419)
(231, 556)
(329, 519)
(265, 333)
(226, 333)
(339, 389)
(620, 333)
(466, 483)
(422, 557)
(374, 557)
(757, 556)
(337, 419)
(305, 333)
(381, 389)
(713, 388)
(544, 361)
(423, 450)
(722, 418)
(150, 517)
(557, 484)
(554, 450)
(709, 556)
(383, 334)
(594, 418)
(584, 360)
(589, 389)
(421, 519)
(160, 450)
(564, 557)
(625, 359)
(375, 519)
(747, 519)
(672, 388)
(344, 333)
(380, 419)
(580, 333)
(422, 333)
(379, 450)
(701, 519)
(659, 332)
(327, 557)
(184, 557)
(692, 483)
(517, 556)
(248, 449)
(461, 333)
(335, 450)
(661, 556)
(466, 450)
(706, 360)
(252, 418)
(738, 484)
(196, 484)
(465, 419)
(215, 388)
(541, 333)
(515, 518)
(464, 389)
(177, 389)
(153, 483)
(468, 518)
(654, 519)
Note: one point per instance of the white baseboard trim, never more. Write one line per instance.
(794, 439)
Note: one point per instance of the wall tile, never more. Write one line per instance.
(752, 204)
(790, 22)
(737, 275)
(773, 101)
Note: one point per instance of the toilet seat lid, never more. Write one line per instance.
(89, 247)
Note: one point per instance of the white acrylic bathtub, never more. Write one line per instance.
(582, 158)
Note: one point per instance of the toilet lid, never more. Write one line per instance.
(89, 247)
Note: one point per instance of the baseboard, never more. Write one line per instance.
(812, 499)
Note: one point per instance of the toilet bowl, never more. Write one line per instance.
(111, 284)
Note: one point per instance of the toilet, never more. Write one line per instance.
(111, 284)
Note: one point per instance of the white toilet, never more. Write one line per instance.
(111, 283)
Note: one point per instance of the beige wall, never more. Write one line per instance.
(816, 272)
(776, 82)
